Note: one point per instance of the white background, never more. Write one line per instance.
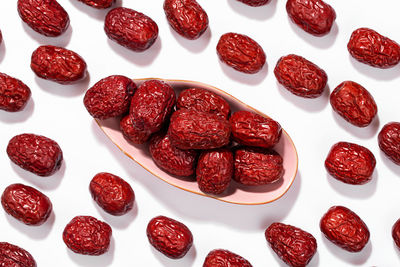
(56, 111)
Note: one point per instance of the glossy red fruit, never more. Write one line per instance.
(190, 129)
(350, 163)
(214, 170)
(354, 103)
(300, 76)
(110, 97)
(26, 204)
(151, 105)
(133, 134)
(389, 141)
(186, 17)
(14, 256)
(374, 49)
(112, 193)
(170, 237)
(252, 129)
(203, 100)
(396, 233)
(46, 17)
(241, 52)
(254, 2)
(131, 29)
(35, 153)
(293, 245)
(257, 166)
(88, 236)
(313, 16)
(345, 229)
(225, 258)
(99, 4)
(58, 64)
(171, 159)
(14, 94)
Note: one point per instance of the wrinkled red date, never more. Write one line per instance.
(257, 166)
(354, 103)
(254, 2)
(389, 141)
(214, 170)
(88, 236)
(225, 258)
(133, 134)
(313, 16)
(293, 245)
(131, 29)
(46, 17)
(35, 153)
(58, 64)
(344, 228)
(26, 204)
(369, 47)
(300, 76)
(171, 159)
(14, 94)
(110, 97)
(350, 163)
(112, 193)
(251, 129)
(100, 4)
(241, 53)
(170, 237)
(151, 105)
(14, 256)
(396, 233)
(190, 129)
(186, 17)
(203, 100)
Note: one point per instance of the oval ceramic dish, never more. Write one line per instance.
(236, 193)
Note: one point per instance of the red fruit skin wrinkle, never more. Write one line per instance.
(389, 141)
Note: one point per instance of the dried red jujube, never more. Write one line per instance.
(46, 17)
(14, 94)
(350, 163)
(203, 100)
(88, 236)
(170, 237)
(58, 64)
(132, 133)
(313, 16)
(252, 129)
(300, 76)
(225, 258)
(293, 245)
(241, 52)
(112, 193)
(344, 228)
(130, 28)
(186, 17)
(389, 141)
(35, 153)
(100, 4)
(110, 97)
(14, 256)
(254, 2)
(396, 233)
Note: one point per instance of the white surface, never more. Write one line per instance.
(57, 111)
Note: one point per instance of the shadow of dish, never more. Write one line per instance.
(360, 132)
(355, 191)
(194, 46)
(186, 261)
(94, 261)
(33, 232)
(358, 258)
(62, 40)
(20, 116)
(257, 13)
(92, 12)
(2, 51)
(68, 90)
(245, 78)
(393, 167)
(144, 58)
(308, 104)
(321, 42)
(375, 73)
